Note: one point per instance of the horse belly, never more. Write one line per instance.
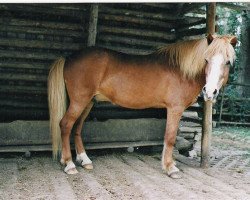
(130, 99)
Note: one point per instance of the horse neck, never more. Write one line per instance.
(201, 80)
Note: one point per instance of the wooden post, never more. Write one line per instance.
(208, 105)
(93, 25)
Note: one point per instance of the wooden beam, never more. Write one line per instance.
(29, 55)
(27, 23)
(133, 51)
(191, 7)
(134, 20)
(140, 14)
(208, 105)
(38, 44)
(137, 32)
(36, 8)
(93, 25)
(130, 41)
(211, 14)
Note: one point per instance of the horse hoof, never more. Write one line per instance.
(175, 175)
(88, 166)
(70, 168)
(71, 171)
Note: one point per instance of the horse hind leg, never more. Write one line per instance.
(72, 114)
(81, 156)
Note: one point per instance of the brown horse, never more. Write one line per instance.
(171, 78)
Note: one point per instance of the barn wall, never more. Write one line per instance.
(192, 24)
(33, 35)
(136, 28)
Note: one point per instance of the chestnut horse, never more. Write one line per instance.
(171, 77)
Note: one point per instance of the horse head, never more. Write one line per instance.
(219, 56)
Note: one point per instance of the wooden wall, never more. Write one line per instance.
(33, 35)
(136, 28)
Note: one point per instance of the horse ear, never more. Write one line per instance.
(233, 41)
(210, 38)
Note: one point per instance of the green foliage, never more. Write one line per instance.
(230, 23)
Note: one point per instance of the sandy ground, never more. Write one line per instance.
(121, 175)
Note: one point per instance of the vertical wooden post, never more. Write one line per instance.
(93, 25)
(208, 105)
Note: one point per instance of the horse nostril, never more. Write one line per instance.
(215, 92)
(204, 89)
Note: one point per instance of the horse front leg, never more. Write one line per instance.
(168, 164)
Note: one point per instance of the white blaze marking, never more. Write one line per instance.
(213, 77)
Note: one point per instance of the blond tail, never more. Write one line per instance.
(57, 99)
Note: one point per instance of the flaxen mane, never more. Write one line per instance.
(190, 56)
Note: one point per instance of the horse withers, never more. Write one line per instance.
(171, 77)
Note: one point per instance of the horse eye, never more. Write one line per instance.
(206, 61)
(228, 63)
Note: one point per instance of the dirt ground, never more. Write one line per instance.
(121, 175)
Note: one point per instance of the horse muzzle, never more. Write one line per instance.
(210, 96)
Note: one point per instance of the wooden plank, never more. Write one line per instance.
(186, 31)
(43, 31)
(191, 7)
(187, 136)
(113, 130)
(65, 6)
(18, 89)
(91, 146)
(39, 24)
(132, 51)
(139, 13)
(190, 129)
(23, 77)
(41, 10)
(97, 135)
(190, 21)
(193, 37)
(234, 123)
(235, 114)
(29, 55)
(140, 21)
(137, 32)
(24, 65)
(130, 41)
(38, 44)
(93, 25)
(160, 5)
(28, 105)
